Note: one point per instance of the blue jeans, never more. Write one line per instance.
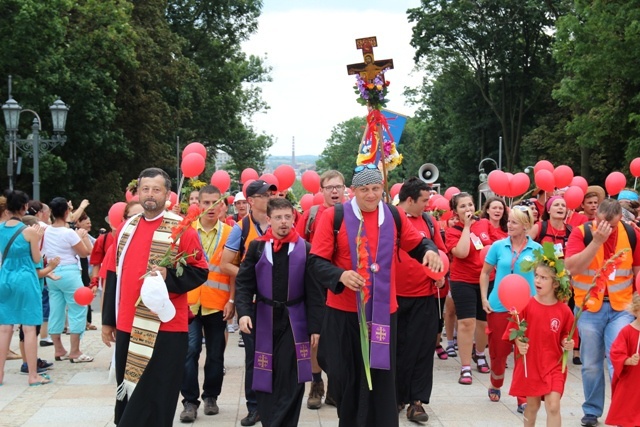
(214, 328)
(597, 333)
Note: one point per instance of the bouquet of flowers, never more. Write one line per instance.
(372, 94)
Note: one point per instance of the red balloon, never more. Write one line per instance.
(83, 296)
(195, 147)
(221, 179)
(135, 198)
(615, 182)
(634, 167)
(544, 180)
(286, 176)
(563, 176)
(441, 203)
(318, 198)
(192, 165)
(573, 197)
(395, 189)
(542, 165)
(306, 201)
(248, 174)
(579, 181)
(483, 253)
(245, 185)
(514, 292)
(498, 182)
(311, 181)
(173, 199)
(445, 267)
(230, 200)
(116, 214)
(270, 178)
(128, 196)
(450, 192)
(519, 184)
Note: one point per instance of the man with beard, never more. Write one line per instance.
(287, 312)
(151, 346)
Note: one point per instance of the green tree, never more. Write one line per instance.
(506, 47)
(342, 148)
(597, 46)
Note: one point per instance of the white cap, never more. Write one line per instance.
(155, 296)
(239, 197)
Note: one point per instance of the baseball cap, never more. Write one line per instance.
(239, 197)
(260, 187)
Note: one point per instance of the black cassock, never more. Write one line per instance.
(281, 408)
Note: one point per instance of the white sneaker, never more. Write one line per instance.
(231, 329)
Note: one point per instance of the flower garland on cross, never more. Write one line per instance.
(372, 88)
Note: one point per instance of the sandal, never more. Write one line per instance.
(442, 355)
(481, 363)
(465, 377)
(494, 394)
(83, 358)
(451, 351)
(61, 358)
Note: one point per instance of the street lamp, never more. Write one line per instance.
(483, 188)
(529, 169)
(12, 111)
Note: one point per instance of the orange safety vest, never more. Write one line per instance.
(620, 289)
(248, 236)
(214, 293)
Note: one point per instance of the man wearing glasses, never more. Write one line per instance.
(332, 183)
(251, 227)
(287, 315)
(360, 262)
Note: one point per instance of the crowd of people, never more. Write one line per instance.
(306, 288)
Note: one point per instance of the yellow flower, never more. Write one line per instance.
(379, 87)
(552, 264)
(560, 274)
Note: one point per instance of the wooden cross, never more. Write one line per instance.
(370, 68)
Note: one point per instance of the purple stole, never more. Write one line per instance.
(263, 358)
(377, 308)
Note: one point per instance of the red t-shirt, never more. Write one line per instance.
(301, 225)
(547, 326)
(575, 219)
(552, 235)
(100, 248)
(467, 269)
(411, 276)
(323, 246)
(134, 266)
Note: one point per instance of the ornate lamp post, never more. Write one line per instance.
(12, 111)
(483, 188)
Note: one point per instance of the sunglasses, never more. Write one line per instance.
(360, 168)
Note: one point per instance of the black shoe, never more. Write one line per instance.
(251, 419)
(576, 360)
(46, 342)
(589, 420)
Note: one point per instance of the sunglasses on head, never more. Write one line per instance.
(360, 168)
(521, 208)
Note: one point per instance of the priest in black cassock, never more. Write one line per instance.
(286, 318)
(148, 319)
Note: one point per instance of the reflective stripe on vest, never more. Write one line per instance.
(620, 289)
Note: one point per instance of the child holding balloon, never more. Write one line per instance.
(626, 372)
(538, 373)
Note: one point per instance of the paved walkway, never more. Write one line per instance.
(82, 396)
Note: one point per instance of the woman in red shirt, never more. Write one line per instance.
(465, 241)
(495, 211)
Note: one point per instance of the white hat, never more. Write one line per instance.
(155, 296)
(239, 197)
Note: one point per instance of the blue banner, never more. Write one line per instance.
(396, 125)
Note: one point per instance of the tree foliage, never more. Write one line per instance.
(137, 75)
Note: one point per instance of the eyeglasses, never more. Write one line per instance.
(360, 168)
(332, 188)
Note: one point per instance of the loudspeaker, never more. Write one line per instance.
(428, 173)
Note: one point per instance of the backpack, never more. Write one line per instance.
(338, 216)
(312, 217)
(631, 234)
(544, 226)
(246, 227)
(427, 218)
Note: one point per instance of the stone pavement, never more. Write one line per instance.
(82, 396)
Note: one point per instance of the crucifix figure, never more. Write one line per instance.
(370, 68)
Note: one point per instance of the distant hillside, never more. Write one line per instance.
(275, 161)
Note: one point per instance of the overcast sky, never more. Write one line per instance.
(308, 44)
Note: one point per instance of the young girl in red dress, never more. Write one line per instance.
(625, 394)
(549, 321)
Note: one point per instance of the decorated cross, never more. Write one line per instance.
(381, 334)
(370, 68)
(263, 361)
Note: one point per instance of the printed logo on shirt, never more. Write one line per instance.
(484, 236)
(555, 325)
(423, 234)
